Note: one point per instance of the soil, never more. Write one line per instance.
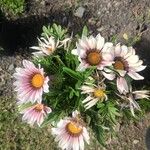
(109, 17)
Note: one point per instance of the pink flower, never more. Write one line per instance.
(35, 114)
(125, 62)
(92, 52)
(71, 133)
(30, 83)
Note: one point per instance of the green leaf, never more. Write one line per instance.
(24, 106)
(113, 112)
(85, 31)
(89, 71)
(74, 74)
(99, 132)
(52, 117)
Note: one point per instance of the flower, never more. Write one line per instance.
(132, 96)
(95, 94)
(92, 52)
(30, 83)
(141, 94)
(125, 62)
(46, 46)
(71, 133)
(35, 114)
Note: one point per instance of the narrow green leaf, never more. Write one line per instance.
(85, 31)
(74, 74)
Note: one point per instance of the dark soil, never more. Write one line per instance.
(109, 17)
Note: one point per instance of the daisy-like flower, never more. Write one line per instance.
(125, 62)
(95, 94)
(132, 96)
(46, 46)
(141, 94)
(30, 83)
(71, 133)
(91, 52)
(35, 114)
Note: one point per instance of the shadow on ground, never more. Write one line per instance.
(147, 138)
(143, 49)
(23, 33)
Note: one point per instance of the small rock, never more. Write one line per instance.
(135, 141)
(100, 29)
(11, 67)
(79, 12)
(92, 21)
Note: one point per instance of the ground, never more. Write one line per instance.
(109, 17)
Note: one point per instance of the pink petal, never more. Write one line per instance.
(124, 50)
(122, 85)
(109, 76)
(117, 50)
(75, 143)
(100, 42)
(108, 47)
(135, 75)
(82, 67)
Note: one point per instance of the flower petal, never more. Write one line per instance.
(135, 75)
(122, 85)
(100, 42)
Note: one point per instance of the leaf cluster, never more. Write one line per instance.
(65, 89)
(12, 7)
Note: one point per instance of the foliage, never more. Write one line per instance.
(12, 7)
(14, 134)
(65, 88)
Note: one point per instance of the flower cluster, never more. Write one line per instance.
(116, 63)
(92, 79)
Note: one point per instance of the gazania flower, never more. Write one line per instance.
(132, 96)
(141, 94)
(92, 52)
(46, 46)
(95, 94)
(125, 62)
(35, 114)
(71, 133)
(30, 83)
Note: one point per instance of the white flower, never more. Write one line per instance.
(71, 133)
(91, 51)
(125, 62)
(141, 94)
(95, 94)
(46, 46)
(132, 96)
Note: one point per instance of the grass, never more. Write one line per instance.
(16, 135)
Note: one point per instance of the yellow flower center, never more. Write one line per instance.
(73, 128)
(119, 65)
(49, 49)
(99, 93)
(39, 107)
(37, 81)
(94, 58)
